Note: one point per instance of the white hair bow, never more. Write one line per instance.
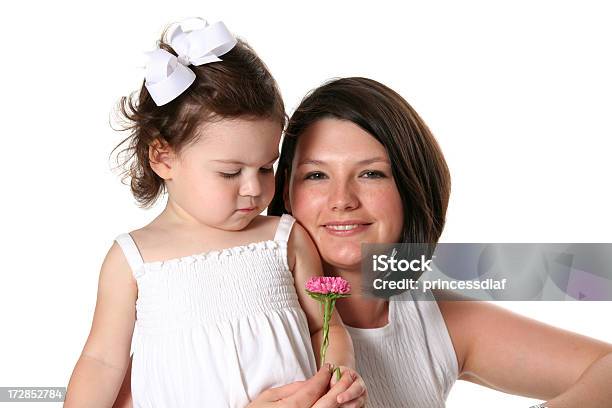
(168, 76)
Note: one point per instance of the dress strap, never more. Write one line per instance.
(284, 228)
(131, 253)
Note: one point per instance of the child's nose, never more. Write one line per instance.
(251, 187)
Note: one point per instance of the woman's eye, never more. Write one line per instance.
(373, 174)
(267, 170)
(230, 175)
(315, 175)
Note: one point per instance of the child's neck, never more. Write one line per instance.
(174, 220)
(173, 216)
(174, 234)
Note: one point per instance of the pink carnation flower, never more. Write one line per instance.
(326, 290)
(326, 285)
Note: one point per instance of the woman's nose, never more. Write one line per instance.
(251, 187)
(343, 197)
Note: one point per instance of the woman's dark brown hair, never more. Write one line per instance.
(238, 86)
(419, 169)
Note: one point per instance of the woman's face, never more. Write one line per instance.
(342, 191)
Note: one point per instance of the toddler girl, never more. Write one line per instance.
(216, 328)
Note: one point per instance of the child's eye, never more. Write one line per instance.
(267, 170)
(315, 175)
(230, 175)
(373, 174)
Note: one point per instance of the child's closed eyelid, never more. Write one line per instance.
(229, 175)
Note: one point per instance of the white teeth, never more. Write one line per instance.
(342, 227)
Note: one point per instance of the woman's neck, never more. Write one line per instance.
(359, 310)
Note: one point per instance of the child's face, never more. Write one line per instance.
(225, 179)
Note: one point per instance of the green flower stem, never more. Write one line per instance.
(338, 374)
(326, 316)
(328, 302)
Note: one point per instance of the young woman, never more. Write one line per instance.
(359, 165)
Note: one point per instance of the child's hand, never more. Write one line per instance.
(356, 392)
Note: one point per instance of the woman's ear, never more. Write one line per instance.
(286, 200)
(162, 158)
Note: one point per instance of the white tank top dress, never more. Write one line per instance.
(410, 362)
(217, 329)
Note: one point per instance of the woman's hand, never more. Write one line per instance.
(312, 392)
(350, 393)
(300, 394)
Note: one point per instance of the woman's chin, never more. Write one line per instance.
(343, 257)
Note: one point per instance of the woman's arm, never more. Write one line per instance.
(514, 354)
(593, 388)
(101, 367)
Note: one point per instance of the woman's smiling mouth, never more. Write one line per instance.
(344, 228)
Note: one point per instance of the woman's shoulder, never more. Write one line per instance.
(467, 321)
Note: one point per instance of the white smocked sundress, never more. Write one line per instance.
(218, 328)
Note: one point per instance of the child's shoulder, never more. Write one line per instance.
(298, 235)
(153, 240)
(265, 225)
(159, 241)
(148, 235)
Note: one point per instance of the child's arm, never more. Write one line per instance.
(305, 262)
(124, 397)
(99, 372)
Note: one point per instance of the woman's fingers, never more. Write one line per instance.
(301, 394)
(313, 388)
(330, 400)
(334, 378)
(278, 393)
(356, 390)
(358, 403)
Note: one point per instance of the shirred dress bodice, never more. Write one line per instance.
(216, 329)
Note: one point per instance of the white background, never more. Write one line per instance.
(518, 95)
